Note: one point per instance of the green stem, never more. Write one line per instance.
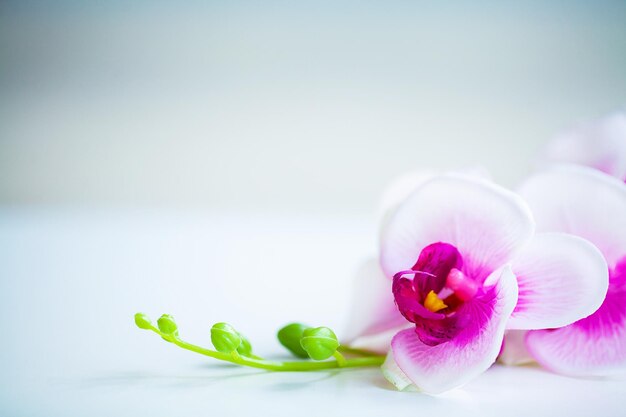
(355, 351)
(271, 365)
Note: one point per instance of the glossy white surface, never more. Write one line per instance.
(72, 279)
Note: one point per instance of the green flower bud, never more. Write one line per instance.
(245, 348)
(290, 335)
(167, 325)
(320, 343)
(143, 321)
(225, 338)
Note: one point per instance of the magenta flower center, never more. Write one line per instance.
(435, 294)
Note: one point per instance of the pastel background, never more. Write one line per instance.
(223, 161)
(288, 105)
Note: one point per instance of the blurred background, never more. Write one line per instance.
(288, 105)
(223, 161)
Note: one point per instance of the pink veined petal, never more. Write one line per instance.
(373, 308)
(595, 345)
(486, 223)
(600, 144)
(514, 351)
(561, 279)
(435, 369)
(583, 202)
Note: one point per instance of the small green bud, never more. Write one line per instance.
(245, 347)
(320, 343)
(225, 338)
(290, 335)
(143, 321)
(167, 325)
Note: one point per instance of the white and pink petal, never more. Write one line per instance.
(486, 223)
(514, 351)
(403, 185)
(595, 345)
(583, 202)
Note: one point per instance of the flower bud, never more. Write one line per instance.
(143, 321)
(245, 347)
(167, 325)
(320, 343)
(290, 335)
(225, 338)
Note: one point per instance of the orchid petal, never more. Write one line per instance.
(486, 223)
(403, 185)
(435, 369)
(373, 307)
(583, 202)
(561, 278)
(514, 351)
(400, 188)
(435, 262)
(595, 345)
(378, 342)
(393, 374)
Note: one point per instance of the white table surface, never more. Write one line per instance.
(71, 280)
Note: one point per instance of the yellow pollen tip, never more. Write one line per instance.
(434, 303)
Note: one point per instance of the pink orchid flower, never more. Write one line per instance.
(590, 204)
(600, 144)
(450, 250)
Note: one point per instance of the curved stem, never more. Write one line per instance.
(271, 365)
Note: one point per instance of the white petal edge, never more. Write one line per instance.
(514, 351)
(581, 201)
(487, 223)
(379, 342)
(400, 188)
(373, 310)
(403, 185)
(599, 144)
(393, 374)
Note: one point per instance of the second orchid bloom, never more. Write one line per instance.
(462, 264)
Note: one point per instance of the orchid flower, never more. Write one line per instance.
(600, 144)
(460, 263)
(590, 204)
(464, 265)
